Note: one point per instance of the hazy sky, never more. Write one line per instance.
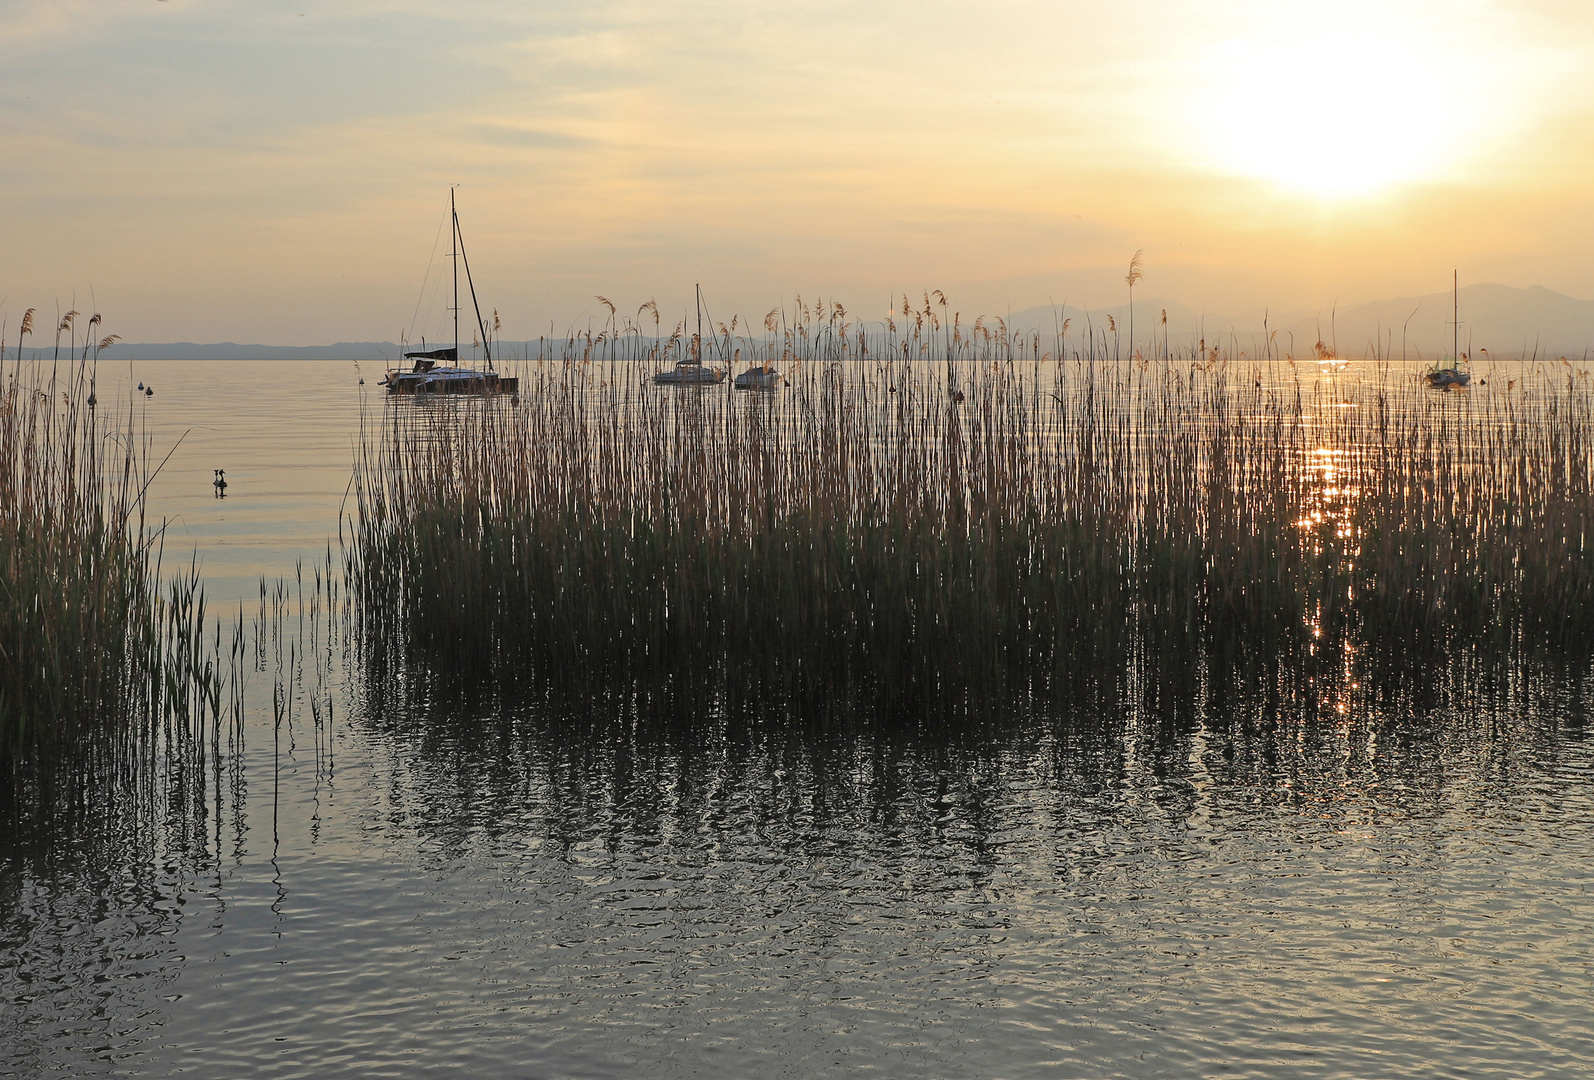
(259, 171)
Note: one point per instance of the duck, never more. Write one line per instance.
(149, 391)
(220, 483)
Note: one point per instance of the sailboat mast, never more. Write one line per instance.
(1455, 318)
(453, 215)
(699, 324)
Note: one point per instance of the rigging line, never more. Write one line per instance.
(486, 348)
(432, 290)
(719, 346)
(428, 278)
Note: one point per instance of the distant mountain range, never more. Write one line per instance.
(1508, 322)
(227, 350)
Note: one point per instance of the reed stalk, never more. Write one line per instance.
(106, 680)
(925, 522)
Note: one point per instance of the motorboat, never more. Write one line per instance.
(763, 377)
(438, 371)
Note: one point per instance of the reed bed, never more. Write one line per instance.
(112, 688)
(929, 520)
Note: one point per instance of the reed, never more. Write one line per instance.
(939, 519)
(106, 678)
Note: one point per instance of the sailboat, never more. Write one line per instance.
(691, 372)
(1439, 376)
(437, 371)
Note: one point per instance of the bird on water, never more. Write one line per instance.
(220, 483)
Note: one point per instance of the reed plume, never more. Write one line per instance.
(25, 328)
(100, 671)
(913, 537)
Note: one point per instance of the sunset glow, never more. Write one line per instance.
(1336, 116)
(218, 170)
(710, 539)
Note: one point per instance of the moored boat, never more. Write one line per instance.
(428, 376)
(437, 371)
(758, 378)
(690, 373)
(1441, 376)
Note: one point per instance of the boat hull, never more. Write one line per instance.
(474, 383)
(700, 377)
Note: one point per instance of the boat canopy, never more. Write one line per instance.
(449, 355)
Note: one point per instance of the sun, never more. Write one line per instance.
(1333, 116)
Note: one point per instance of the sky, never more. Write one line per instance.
(211, 170)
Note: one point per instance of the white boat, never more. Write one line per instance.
(690, 373)
(430, 377)
(758, 378)
(437, 371)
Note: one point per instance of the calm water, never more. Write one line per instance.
(284, 431)
(395, 886)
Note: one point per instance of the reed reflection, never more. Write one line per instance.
(1174, 740)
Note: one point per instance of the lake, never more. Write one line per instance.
(1154, 882)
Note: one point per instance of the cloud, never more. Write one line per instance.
(216, 156)
(505, 135)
